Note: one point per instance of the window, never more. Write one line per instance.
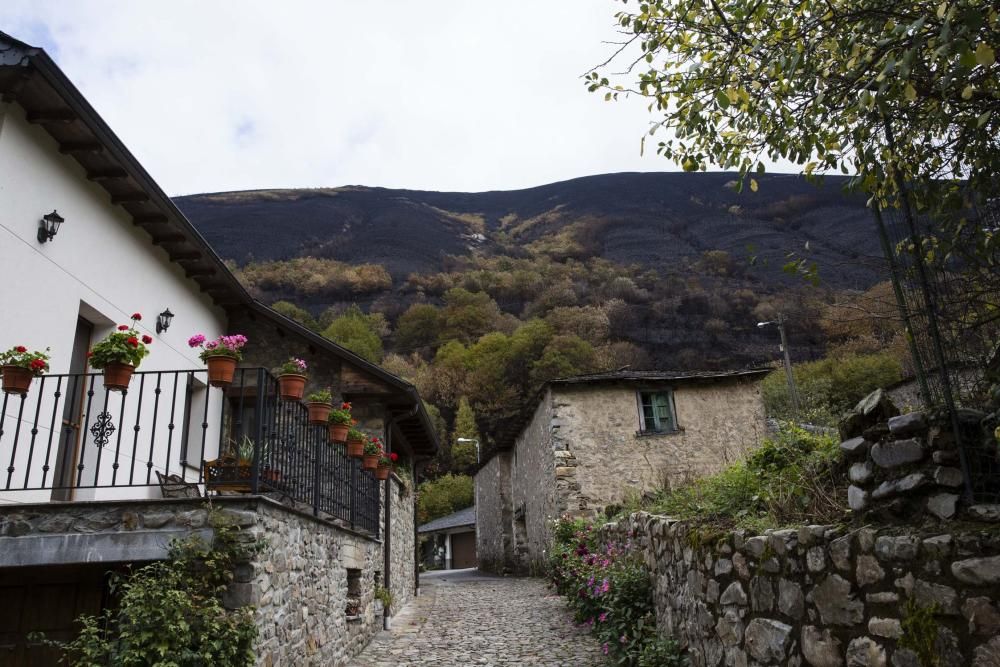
(656, 411)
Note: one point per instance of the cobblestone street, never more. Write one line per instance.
(466, 618)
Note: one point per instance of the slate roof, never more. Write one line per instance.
(466, 517)
(660, 376)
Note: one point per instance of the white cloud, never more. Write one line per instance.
(455, 95)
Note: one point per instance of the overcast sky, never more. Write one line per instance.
(440, 95)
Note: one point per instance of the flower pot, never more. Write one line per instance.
(369, 462)
(221, 370)
(16, 380)
(291, 386)
(382, 472)
(355, 448)
(338, 432)
(319, 412)
(118, 375)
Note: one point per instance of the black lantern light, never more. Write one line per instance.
(48, 226)
(163, 321)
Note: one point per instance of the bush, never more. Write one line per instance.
(829, 387)
(608, 588)
(794, 477)
(171, 612)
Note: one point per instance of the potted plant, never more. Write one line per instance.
(220, 355)
(119, 353)
(340, 422)
(292, 379)
(385, 462)
(320, 404)
(373, 452)
(356, 443)
(20, 366)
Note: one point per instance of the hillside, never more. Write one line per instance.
(651, 219)
(484, 296)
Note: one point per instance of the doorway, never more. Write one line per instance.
(72, 416)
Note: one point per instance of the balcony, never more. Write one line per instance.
(71, 439)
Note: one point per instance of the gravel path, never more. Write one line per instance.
(467, 618)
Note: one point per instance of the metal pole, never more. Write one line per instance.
(792, 391)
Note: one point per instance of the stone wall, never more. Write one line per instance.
(494, 515)
(907, 467)
(821, 595)
(537, 498)
(402, 557)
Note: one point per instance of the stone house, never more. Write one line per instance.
(597, 440)
(96, 479)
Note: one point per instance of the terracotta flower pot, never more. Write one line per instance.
(369, 462)
(319, 412)
(338, 432)
(382, 472)
(16, 380)
(291, 386)
(220, 370)
(355, 448)
(118, 375)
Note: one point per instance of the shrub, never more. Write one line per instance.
(171, 612)
(794, 477)
(607, 586)
(443, 496)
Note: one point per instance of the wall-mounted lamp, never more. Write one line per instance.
(163, 321)
(48, 226)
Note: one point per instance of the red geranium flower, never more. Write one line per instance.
(133, 341)
(22, 349)
(393, 457)
(136, 316)
(123, 327)
(37, 364)
(147, 339)
(89, 354)
(345, 406)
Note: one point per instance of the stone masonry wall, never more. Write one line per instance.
(298, 582)
(821, 595)
(604, 457)
(494, 514)
(537, 499)
(401, 557)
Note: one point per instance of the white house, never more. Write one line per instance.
(80, 481)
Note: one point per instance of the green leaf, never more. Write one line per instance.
(985, 55)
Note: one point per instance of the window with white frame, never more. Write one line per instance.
(656, 411)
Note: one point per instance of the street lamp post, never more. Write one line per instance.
(789, 376)
(474, 440)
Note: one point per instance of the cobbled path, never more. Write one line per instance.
(466, 618)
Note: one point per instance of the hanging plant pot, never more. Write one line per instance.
(338, 432)
(291, 386)
(355, 448)
(16, 380)
(382, 472)
(369, 462)
(221, 370)
(118, 375)
(319, 412)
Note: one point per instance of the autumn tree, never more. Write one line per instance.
(358, 332)
(893, 91)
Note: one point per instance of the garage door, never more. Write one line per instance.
(463, 550)
(46, 600)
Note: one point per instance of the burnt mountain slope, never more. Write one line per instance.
(652, 219)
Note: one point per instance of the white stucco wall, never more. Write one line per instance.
(100, 266)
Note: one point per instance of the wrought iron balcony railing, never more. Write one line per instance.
(70, 438)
